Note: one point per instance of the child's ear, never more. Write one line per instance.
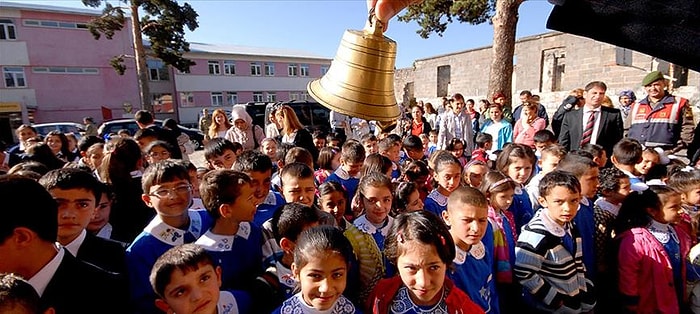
(147, 199)
(217, 270)
(163, 306)
(287, 245)
(613, 159)
(446, 217)
(225, 210)
(542, 201)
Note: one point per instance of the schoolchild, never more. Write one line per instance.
(194, 180)
(626, 154)
(407, 198)
(187, 281)
(500, 129)
(516, 161)
(499, 189)
(282, 150)
(375, 194)
(322, 260)
(456, 147)
(484, 143)
(421, 247)
(687, 182)
(651, 252)
(259, 167)
(157, 151)
(650, 158)
(76, 192)
(299, 154)
(298, 183)
(145, 136)
(543, 138)
(417, 172)
(474, 172)
(377, 163)
(220, 153)
(614, 186)
(94, 156)
(413, 149)
(391, 148)
(600, 157)
(328, 161)
(548, 160)
(586, 171)
(472, 272)
(277, 283)
(548, 256)
(432, 144)
(84, 145)
(268, 146)
(352, 156)
(426, 143)
(447, 178)
(99, 224)
(370, 143)
(17, 296)
(233, 242)
(167, 189)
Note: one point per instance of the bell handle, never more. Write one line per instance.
(374, 26)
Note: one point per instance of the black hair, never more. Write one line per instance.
(609, 179)
(219, 187)
(443, 161)
(544, 136)
(16, 293)
(282, 150)
(352, 152)
(158, 143)
(576, 164)
(296, 170)
(185, 258)
(513, 151)
(33, 166)
(145, 133)
(143, 117)
(421, 226)
(633, 211)
(252, 160)
(321, 242)
(526, 92)
(376, 163)
(496, 182)
(72, 179)
(415, 169)
(394, 137)
(87, 142)
(684, 179)
(627, 152)
(171, 124)
(325, 158)
(582, 153)
(595, 149)
(403, 191)
(289, 221)
(558, 178)
(27, 204)
(329, 187)
(482, 139)
(64, 142)
(454, 142)
(412, 142)
(375, 180)
(466, 195)
(42, 153)
(657, 172)
(163, 171)
(217, 147)
(319, 134)
(593, 84)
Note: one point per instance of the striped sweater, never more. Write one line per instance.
(554, 278)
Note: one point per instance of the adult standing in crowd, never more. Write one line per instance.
(626, 99)
(144, 119)
(430, 114)
(218, 126)
(456, 124)
(293, 131)
(183, 140)
(90, 127)
(419, 125)
(272, 129)
(661, 119)
(593, 123)
(204, 121)
(500, 98)
(244, 131)
(526, 97)
(572, 102)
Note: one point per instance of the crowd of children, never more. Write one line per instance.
(383, 224)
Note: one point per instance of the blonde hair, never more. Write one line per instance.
(214, 127)
(291, 121)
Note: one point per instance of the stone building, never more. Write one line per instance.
(549, 64)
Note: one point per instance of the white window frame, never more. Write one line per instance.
(271, 97)
(304, 70)
(229, 67)
(269, 69)
(214, 67)
(255, 69)
(294, 96)
(231, 98)
(186, 99)
(292, 70)
(16, 74)
(257, 96)
(157, 71)
(217, 99)
(324, 69)
(8, 28)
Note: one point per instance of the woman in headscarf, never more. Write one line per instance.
(244, 131)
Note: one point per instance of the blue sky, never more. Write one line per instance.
(317, 26)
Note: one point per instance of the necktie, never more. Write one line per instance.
(588, 130)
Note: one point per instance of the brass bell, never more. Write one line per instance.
(360, 81)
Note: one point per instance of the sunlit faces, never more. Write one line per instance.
(240, 124)
(261, 181)
(448, 178)
(377, 203)
(25, 134)
(319, 142)
(54, 142)
(433, 138)
(414, 203)
(192, 291)
(656, 90)
(157, 153)
(75, 210)
(101, 216)
(335, 204)
(527, 113)
(300, 190)
(548, 162)
(269, 148)
(594, 96)
(649, 159)
(501, 200)
(372, 147)
(417, 113)
(458, 150)
(467, 223)
(670, 210)
(243, 209)
(422, 272)
(692, 196)
(495, 113)
(519, 170)
(322, 280)
(94, 156)
(394, 153)
(625, 101)
(352, 168)
(220, 118)
(561, 203)
(169, 199)
(457, 106)
(415, 154)
(589, 182)
(616, 197)
(475, 174)
(223, 161)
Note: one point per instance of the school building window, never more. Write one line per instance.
(65, 70)
(255, 69)
(14, 77)
(269, 69)
(304, 70)
(55, 24)
(229, 67)
(257, 96)
(214, 67)
(292, 70)
(294, 95)
(217, 98)
(271, 97)
(186, 99)
(324, 70)
(231, 98)
(7, 29)
(157, 70)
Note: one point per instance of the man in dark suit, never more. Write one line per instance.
(144, 119)
(592, 123)
(28, 231)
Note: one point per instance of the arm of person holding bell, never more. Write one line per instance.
(384, 10)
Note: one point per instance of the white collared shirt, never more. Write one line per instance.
(221, 242)
(596, 125)
(41, 279)
(607, 206)
(171, 235)
(105, 232)
(74, 245)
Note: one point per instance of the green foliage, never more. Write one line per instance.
(117, 62)
(434, 15)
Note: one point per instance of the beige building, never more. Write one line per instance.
(549, 64)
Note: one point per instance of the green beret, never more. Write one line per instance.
(652, 77)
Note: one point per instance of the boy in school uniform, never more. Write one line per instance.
(167, 189)
(391, 148)
(413, 149)
(547, 161)
(17, 296)
(187, 282)
(484, 142)
(28, 248)
(233, 242)
(76, 191)
(220, 153)
(370, 143)
(548, 255)
(259, 167)
(352, 156)
(626, 154)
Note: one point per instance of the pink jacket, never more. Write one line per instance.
(645, 273)
(526, 135)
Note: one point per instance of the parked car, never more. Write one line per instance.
(113, 126)
(311, 114)
(65, 127)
